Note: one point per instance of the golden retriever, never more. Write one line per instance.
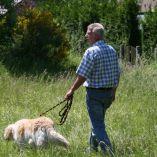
(34, 132)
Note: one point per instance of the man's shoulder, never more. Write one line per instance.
(96, 48)
(91, 51)
(110, 47)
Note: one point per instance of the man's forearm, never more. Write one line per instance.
(78, 82)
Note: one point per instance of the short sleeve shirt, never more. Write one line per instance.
(100, 66)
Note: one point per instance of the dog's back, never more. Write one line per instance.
(35, 132)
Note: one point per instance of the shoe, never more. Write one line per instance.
(91, 150)
(106, 150)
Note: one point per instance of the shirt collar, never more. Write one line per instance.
(98, 42)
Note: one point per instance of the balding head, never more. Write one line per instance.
(97, 29)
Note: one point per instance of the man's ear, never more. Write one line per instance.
(8, 133)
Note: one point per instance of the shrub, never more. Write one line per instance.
(41, 36)
(119, 19)
(150, 33)
(2, 30)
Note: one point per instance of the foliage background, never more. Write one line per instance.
(31, 83)
(69, 21)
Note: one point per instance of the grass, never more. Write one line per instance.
(131, 120)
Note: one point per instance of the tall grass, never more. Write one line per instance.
(131, 120)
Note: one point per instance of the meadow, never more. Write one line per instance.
(131, 120)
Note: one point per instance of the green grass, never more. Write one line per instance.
(131, 120)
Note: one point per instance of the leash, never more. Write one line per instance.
(63, 113)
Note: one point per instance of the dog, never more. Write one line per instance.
(34, 132)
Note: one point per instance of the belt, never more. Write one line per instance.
(105, 89)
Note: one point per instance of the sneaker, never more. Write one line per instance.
(106, 150)
(91, 150)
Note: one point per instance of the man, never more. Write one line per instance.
(99, 71)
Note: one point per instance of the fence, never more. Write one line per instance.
(130, 54)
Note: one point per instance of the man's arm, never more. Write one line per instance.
(77, 83)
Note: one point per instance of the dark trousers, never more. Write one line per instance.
(98, 101)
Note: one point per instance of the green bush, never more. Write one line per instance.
(7, 22)
(150, 33)
(6, 30)
(119, 19)
(74, 16)
(2, 30)
(39, 36)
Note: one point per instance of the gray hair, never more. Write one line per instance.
(97, 28)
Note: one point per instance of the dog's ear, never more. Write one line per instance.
(8, 133)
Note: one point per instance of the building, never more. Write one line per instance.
(20, 5)
(146, 5)
(2, 10)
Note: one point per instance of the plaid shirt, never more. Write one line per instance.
(100, 66)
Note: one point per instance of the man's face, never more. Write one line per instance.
(90, 37)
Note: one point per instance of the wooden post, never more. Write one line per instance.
(127, 54)
(137, 55)
(133, 55)
(155, 53)
(121, 54)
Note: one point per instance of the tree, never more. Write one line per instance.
(10, 20)
(129, 13)
(150, 33)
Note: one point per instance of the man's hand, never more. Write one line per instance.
(69, 95)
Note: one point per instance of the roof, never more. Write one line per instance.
(146, 5)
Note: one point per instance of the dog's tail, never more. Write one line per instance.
(57, 138)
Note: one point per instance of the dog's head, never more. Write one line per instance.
(8, 133)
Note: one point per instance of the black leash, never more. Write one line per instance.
(63, 113)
